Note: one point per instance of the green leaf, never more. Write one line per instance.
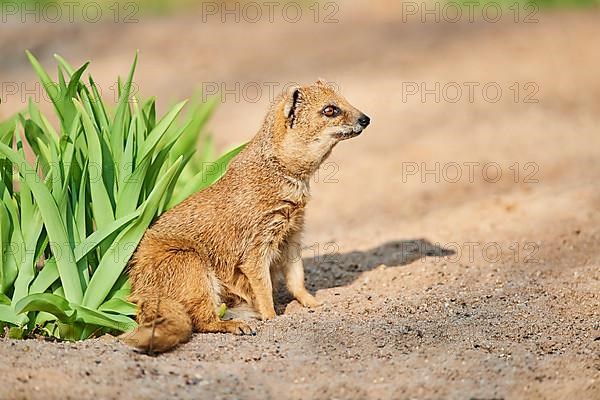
(46, 277)
(119, 306)
(7, 314)
(4, 299)
(117, 132)
(5, 232)
(99, 110)
(155, 136)
(128, 197)
(7, 129)
(47, 302)
(80, 212)
(67, 67)
(199, 114)
(85, 203)
(31, 221)
(16, 333)
(149, 111)
(94, 317)
(71, 92)
(49, 274)
(52, 89)
(16, 247)
(117, 256)
(53, 222)
(101, 205)
(222, 310)
(96, 238)
(206, 177)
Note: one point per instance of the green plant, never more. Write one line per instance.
(71, 219)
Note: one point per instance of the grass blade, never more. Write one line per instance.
(54, 226)
(206, 177)
(117, 256)
(47, 302)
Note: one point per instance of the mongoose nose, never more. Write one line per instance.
(364, 121)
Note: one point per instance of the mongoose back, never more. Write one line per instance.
(228, 243)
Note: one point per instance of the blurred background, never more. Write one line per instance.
(510, 83)
(484, 134)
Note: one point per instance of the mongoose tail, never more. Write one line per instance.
(163, 324)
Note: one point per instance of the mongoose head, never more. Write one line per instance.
(311, 120)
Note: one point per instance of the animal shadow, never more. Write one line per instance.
(332, 268)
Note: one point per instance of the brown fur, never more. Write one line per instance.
(228, 242)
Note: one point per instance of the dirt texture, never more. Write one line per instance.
(435, 285)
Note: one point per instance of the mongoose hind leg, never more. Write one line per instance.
(206, 320)
(202, 306)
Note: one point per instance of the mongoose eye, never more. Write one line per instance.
(331, 111)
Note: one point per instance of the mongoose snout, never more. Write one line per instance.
(230, 242)
(364, 121)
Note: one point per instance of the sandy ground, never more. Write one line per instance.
(435, 285)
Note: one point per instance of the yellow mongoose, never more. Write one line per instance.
(228, 242)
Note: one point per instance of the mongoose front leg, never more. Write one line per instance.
(257, 272)
(293, 271)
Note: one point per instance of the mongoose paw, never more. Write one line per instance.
(240, 328)
(309, 301)
(267, 315)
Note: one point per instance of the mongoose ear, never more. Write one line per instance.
(323, 83)
(291, 102)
